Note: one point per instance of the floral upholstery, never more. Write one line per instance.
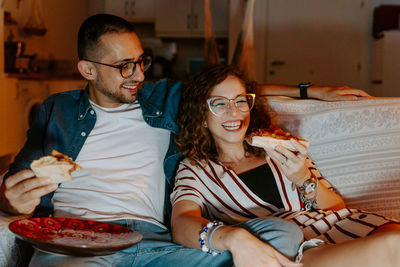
(355, 145)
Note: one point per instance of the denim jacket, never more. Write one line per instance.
(66, 119)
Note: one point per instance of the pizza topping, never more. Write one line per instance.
(56, 166)
(276, 133)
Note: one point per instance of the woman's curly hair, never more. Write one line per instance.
(194, 140)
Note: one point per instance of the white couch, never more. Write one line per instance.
(355, 145)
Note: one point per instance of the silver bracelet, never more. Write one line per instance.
(308, 193)
(211, 249)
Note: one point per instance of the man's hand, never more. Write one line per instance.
(336, 93)
(21, 192)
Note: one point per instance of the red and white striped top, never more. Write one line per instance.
(223, 196)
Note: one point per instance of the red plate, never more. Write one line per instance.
(73, 236)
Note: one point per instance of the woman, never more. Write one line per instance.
(223, 178)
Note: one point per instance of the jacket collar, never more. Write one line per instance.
(84, 105)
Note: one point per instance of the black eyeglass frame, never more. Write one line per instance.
(121, 66)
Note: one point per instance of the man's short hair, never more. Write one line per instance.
(97, 25)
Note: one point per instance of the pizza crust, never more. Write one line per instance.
(57, 166)
(267, 142)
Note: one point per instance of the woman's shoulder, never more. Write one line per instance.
(201, 168)
(193, 164)
(198, 164)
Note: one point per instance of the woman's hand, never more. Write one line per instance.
(293, 165)
(247, 250)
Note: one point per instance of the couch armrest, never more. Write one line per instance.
(355, 145)
(7, 240)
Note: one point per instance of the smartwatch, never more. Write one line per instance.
(303, 89)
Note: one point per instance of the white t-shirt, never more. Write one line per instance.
(122, 175)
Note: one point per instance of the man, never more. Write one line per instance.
(118, 129)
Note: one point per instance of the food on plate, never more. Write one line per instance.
(57, 166)
(271, 137)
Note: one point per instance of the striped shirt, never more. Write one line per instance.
(223, 196)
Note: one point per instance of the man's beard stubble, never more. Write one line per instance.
(117, 95)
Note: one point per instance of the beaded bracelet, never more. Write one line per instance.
(203, 235)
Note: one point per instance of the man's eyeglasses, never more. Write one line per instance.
(219, 105)
(128, 69)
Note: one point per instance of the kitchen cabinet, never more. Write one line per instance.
(185, 18)
(131, 10)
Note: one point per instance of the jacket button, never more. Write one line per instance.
(92, 111)
(81, 116)
(158, 113)
(83, 133)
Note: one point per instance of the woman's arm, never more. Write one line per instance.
(246, 249)
(329, 93)
(328, 199)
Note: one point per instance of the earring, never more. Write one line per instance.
(205, 125)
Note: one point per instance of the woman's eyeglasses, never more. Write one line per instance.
(219, 105)
(127, 69)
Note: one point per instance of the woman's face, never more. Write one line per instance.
(230, 127)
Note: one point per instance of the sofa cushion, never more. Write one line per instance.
(355, 145)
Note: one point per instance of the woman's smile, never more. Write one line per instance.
(232, 125)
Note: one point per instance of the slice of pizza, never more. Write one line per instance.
(271, 137)
(57, 166)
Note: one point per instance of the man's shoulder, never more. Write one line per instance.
(161, 96)
(65, 97)
(162, 85)
(72, 93)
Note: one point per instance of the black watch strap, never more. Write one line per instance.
(303, 90)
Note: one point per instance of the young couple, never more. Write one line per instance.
(121, 130)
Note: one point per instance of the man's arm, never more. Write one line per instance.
(329, 93)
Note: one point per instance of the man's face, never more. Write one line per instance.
(110, 89)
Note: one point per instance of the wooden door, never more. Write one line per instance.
(322, 41)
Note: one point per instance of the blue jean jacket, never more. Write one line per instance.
(66, 119)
